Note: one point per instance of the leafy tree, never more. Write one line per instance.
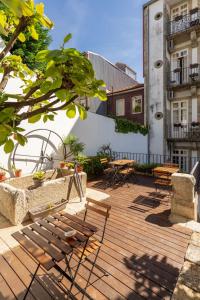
(67, 76)
(29, 49)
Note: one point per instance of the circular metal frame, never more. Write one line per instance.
(42, 157)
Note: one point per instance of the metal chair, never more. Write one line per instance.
(94, 244)
(107, 170)
(127, 173)
(163, 179)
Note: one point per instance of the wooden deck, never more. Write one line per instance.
(142, 252)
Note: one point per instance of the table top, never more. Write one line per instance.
(169, 170)
(122, 162)
(46, 241)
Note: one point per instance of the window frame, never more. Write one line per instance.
(124, 109)
(133, 98)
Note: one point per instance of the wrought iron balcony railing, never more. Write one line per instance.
(187, 132)
(183, 23)
(183, 76)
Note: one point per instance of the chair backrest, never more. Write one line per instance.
(170, 165)
(99, 208)
(104, 161)
(163, 175)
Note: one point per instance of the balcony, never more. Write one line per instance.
(184, 23)
(184, 132)
(184, 76)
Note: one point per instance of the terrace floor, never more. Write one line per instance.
(142, 252)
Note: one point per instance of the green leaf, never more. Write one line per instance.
(21, 37)
(101, 95)
(71, 111)
(33, 33)
(61, 94)
(82, 112)
(46, 22)
(9, 146)
(40, 8)
(41, 56)
(21, 139)
(67, 38)
(34, 119)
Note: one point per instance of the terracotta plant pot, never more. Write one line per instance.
(2, 176)
(18, 173)
(79, 169)
(62, 164)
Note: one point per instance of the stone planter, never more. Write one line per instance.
(18, 195)
(45, 210)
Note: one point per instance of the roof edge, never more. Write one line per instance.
(149, 3)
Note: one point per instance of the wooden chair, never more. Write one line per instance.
(162, 180)
(126, 173)
(170, 165)
(108, 171)
(94, 244)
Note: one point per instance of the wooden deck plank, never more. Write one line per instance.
(142, 252)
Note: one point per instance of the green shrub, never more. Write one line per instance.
(126, 126)
(91, 165)
(145, 168)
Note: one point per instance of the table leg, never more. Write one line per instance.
(31, 282)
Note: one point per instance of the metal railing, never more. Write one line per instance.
(183, 23)
(190, 132)
(182, 76)
(185, 163)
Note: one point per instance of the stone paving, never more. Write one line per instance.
(188, 284)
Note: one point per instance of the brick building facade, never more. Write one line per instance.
(127, 103)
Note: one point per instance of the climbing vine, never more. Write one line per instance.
(126, 126)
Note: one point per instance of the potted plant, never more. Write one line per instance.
(62, 164)
(2, 175)
(66, 170)
(39, 178)
(17, 172)
(79, 168)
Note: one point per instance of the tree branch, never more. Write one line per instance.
(64, 105)
(20, 28)
(38, 111)
(5, 79)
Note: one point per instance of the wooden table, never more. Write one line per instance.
(166, 170)
(46, 241)
(117, 165)
(121, 162)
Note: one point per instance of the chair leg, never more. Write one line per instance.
(31, 282)
(105, 273)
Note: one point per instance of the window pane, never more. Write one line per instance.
(120, 109)
(137, 104)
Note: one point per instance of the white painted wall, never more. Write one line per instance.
(156, 84)
(95, 131)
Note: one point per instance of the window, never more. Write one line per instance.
(180, 157)
(180, 10)
(120, 107)
(136, 104)
(179, 112)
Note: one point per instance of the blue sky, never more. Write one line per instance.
(112, 28)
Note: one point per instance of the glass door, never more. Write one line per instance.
(179, 119)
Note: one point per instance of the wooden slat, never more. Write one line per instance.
(75, 240)
(98, 211)
(74, 225)
(44, 259)
(79, 221)
(53, 252)
(99, 203)
(64, 247)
